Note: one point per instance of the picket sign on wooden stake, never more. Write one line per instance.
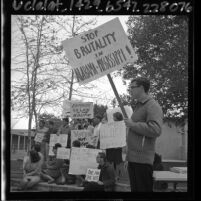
(117, 96)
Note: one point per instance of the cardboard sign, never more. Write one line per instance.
(92, 175)
(63, 153)
(51, 153)
(39, 137)
(84, 136)
(99, 51)
(62, 139)
(81, 159)
(113, 135)
(81, 110)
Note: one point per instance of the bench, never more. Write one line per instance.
(170, 177)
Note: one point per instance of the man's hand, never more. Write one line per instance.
(128, 122)
(100, 182)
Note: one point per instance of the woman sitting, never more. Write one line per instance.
(31, 170)
(53, 173)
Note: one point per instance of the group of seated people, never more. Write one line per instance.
(55, 170)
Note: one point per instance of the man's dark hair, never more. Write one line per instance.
(34, 156)
(57, 145)
(102, 155)
(142, 81)
(36, 147)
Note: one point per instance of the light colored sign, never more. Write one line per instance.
(113, 135)
(81, 110)
(63, 153)
(110, 112)
(66, 108)
(99, 51)
(62, 139)
(92, 175)
(84, 136)
(39, 137)
(51, 153)
(81, 159)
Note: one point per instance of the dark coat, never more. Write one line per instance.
(107, 176)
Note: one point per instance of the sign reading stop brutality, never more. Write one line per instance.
(81, 110)
(99, 51)
(113, 135)
(92, 175)
(62, 139)
(81, 159)
(84, 136)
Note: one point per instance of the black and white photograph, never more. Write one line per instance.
(98, 103)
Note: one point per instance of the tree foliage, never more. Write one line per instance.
(161, 44)
(99, 109)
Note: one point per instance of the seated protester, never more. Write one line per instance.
(107, 176)
(31, 170)
(53, 173)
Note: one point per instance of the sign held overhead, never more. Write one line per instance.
(100, 51)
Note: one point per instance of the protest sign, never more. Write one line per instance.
(81, 159)
(99, 51)
(92, 175)
(63, 153)
(39, 137)
(81, 110)
(113, 135)
(62, 139)
(84, 136)
(51, 153)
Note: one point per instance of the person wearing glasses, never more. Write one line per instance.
(144, 126)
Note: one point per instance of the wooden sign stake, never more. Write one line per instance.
(117, 96)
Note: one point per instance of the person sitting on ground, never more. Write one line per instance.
(37, 147)
(31, 170)
(107, 176)
(53, 173)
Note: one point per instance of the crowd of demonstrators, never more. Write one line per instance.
(106, 179)
(144, 127)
